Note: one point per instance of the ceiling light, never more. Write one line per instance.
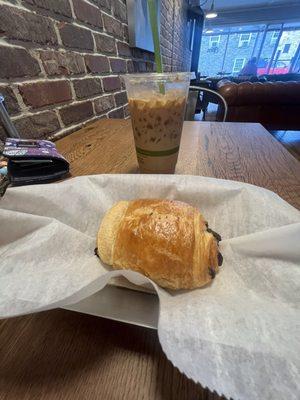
(209, 31)
(211, 13)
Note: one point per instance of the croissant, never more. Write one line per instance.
(167, 241)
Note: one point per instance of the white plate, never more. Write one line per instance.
(121, 304)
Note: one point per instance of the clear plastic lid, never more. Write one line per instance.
(155, 77)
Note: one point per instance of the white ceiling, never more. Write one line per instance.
(234, 4)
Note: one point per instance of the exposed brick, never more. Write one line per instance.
(112, 26)
(85, 12)
(124, 49)
(73, 36)
(112, 43)
(37, 126)
(166, 60)
(126, 111)
(104, 104)
(61, 7)
(97, 64)
(106, 4)
(130, 67)
(111, 83)
(15, 62)
(23, 25)
(120, 11)
(117, 65)
(76, 112)
(116, 113)
(121, 99)
(123, 87)
(10, 100)
(149, 66)
(125, 33)
(105, 44)
(136, 53)
(87, 87)
(147, 55)
(135, 66)
(40, 94)
(62, 63)
(142, 66)
(3, 136)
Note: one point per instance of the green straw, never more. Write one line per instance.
(155, 34)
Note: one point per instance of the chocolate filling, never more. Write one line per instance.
(96, 252)
(220, 259)
(215, 234)
(212, 272)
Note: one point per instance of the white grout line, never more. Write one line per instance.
(35, 54)
(93, 106)
(26, 111)
(29, 112)
(74, 22)
(6, 44)
(76, 102)
(72, 89)
(72, 9)
(91, 4)
(94, 44)
(72, 128)
(8, 3)
(19, 98)
(62, 125)
(57, 34)
(27, 81)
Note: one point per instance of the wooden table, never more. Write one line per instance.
(237, 151)
(64, 355)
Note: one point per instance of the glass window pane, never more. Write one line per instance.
(285, 52)
(223, 48)
(267, 51)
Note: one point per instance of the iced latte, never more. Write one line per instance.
(157, 106)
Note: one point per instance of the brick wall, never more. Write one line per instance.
(174, 41)
(61, 60)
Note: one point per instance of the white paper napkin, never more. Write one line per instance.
(238, 336)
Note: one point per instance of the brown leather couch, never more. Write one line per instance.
(276, 105)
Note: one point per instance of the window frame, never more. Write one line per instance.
(284, 47)
(243, 41)
(234, 68)
(274, 38)
(210, 46)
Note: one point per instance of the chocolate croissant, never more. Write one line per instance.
(167, 241)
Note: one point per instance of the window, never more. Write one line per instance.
(244, 39)
(238, 64)
(219, 49)
(214, 41)
(274, 37)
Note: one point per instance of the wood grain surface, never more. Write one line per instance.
(237, 151)
(69, 356)
(61, 355)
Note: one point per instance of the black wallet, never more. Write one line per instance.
(33, 161)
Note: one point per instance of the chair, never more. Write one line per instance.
(193, 98)
(275, 105)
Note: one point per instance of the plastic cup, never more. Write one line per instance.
(157, 106)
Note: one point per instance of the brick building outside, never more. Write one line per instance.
(228, 52)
